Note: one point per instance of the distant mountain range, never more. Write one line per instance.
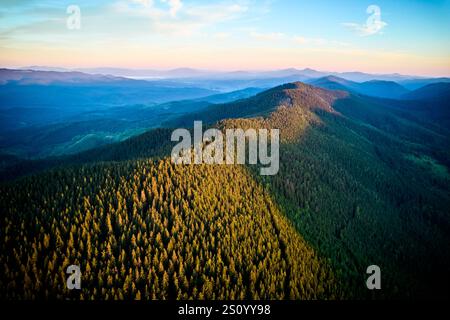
(242, 74)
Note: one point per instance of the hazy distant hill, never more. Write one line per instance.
(384, 89)
(28, 77)
(334, 83)
(231, 96)
(377, 88)
(433, 92)
(413, 84)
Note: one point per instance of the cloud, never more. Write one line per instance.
(373, 25)
(149, 8)
(297, 39)
(180, 19)
(145, 3)
(313, 41)
(222, 35)
(271, 36)
(216, 13)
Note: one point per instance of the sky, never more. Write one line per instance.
(377, 36)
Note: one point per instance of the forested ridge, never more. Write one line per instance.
(361, 182)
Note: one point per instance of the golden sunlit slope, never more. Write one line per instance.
(153, 230)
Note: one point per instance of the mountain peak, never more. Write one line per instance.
(293, 100)
(306, 96)
(291, 108)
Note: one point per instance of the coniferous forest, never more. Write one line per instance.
(155, 230)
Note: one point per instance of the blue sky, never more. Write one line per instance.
(376, 36)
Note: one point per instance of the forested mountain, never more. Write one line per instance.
(362, 181)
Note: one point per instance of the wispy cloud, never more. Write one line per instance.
(373, 25)
(222, 35)
(296, 39)
(178, 18)
(215, 13)
(270, 36)
(313, 41)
